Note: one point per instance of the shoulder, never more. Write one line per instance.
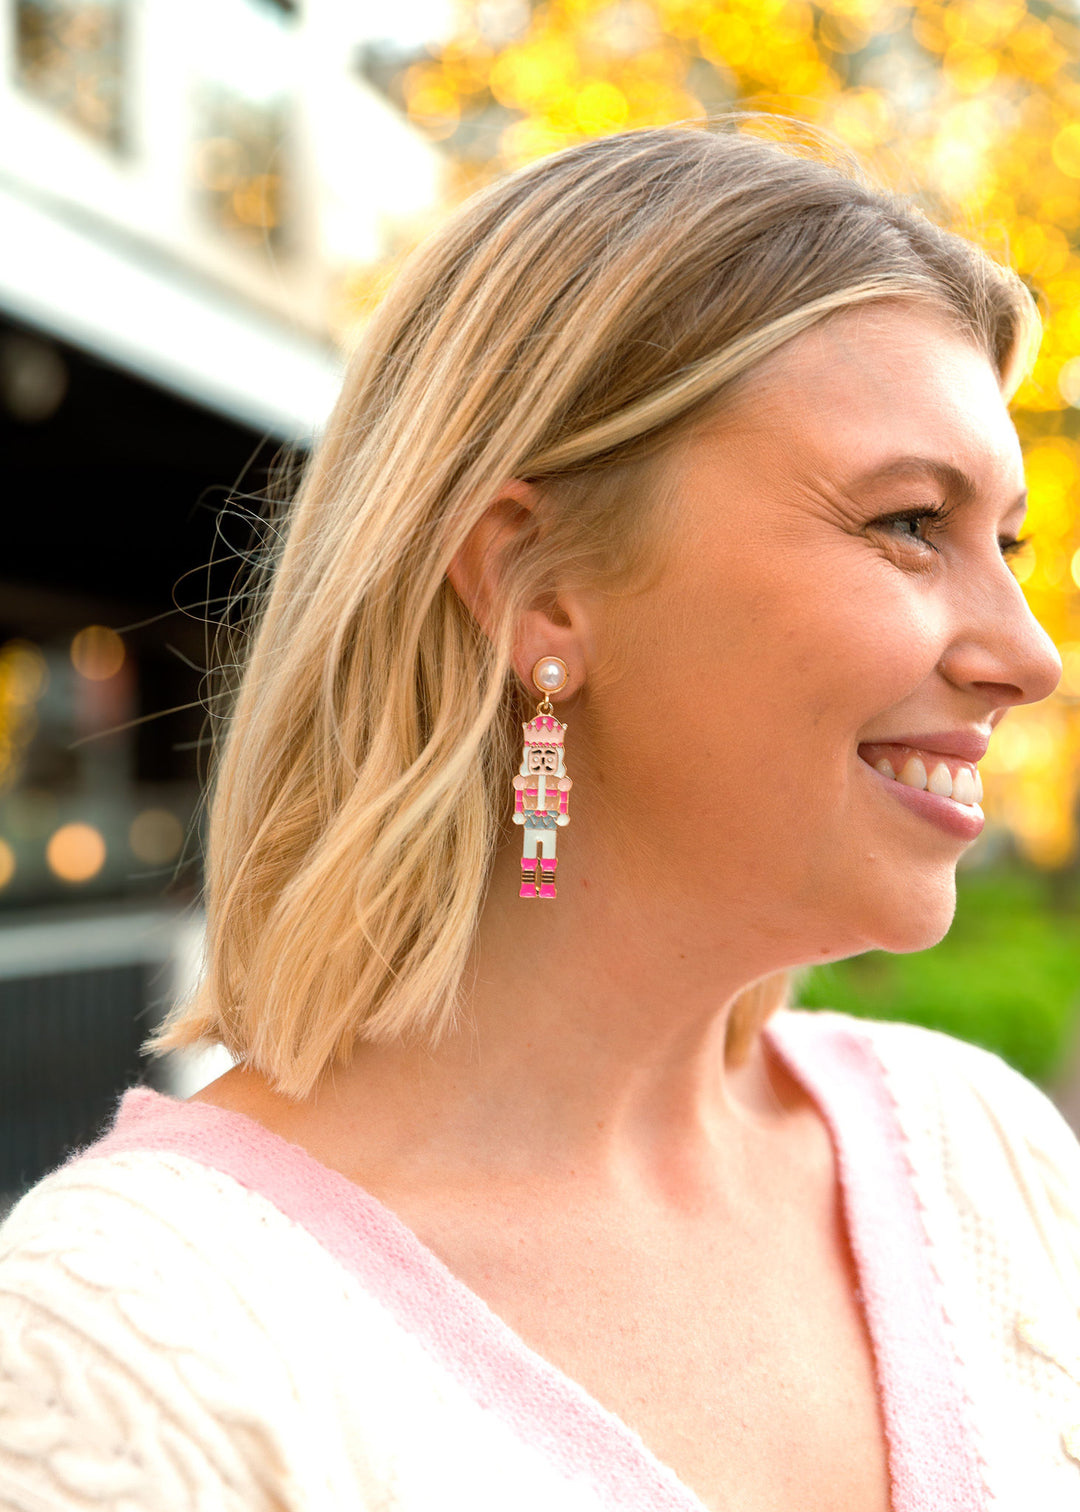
(964, 1083)
(174, 1216)
(118, 1353)
(951, 1075)
(170, 1333)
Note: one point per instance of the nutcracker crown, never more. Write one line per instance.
(544, 730)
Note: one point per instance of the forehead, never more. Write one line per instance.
(871, 383)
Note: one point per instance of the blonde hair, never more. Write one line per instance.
(563, 328)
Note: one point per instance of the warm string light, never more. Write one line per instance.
(97, 653)
(76, 852)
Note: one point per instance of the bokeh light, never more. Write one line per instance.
(1070, 669)
(156, 836)
(7, 863)
(24, 677)
(97, 653)
(75, 852)
(24, 673)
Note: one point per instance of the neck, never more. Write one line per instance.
(592, 1039)
(613, 999)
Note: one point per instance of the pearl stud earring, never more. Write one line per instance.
(541, 786)
(550, 675)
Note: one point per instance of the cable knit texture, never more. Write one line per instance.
(196, 1314)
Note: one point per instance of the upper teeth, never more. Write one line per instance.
(966, 787)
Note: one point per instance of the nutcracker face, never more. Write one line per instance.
(543, 759)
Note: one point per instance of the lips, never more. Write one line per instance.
(940, 785)
(965, 745)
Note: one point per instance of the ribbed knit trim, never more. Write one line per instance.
(932, 1461)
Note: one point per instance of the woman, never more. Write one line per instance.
(526, 1190)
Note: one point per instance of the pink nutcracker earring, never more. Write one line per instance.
(541, 787)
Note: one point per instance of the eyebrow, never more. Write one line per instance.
(956, 483)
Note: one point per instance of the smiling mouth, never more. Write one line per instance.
(926, 771)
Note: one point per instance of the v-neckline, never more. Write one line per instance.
(932, 1459)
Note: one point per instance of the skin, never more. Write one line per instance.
(664, 1226)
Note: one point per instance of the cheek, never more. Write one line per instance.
(765, 677)
(846, 656)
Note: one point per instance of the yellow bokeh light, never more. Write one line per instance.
(436, 108)
(1074, 568)
(726, 38)
(156, 836)
(1069, 381)
(1070, 669)
(1065, 149)
(24, 673)
(844, 34)
(7, 863)
(863, 117)
(970, 69)
(75, 852)
(255, 202)
(1017, 745)
(600, 107)
(1024, 564)
(97, 653)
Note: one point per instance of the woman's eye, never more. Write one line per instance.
(911, 526)
(915, 526)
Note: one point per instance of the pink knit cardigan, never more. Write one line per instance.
(933, 1459)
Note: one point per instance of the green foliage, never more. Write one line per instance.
(1007, 976)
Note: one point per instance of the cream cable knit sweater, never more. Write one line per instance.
(194, 1314)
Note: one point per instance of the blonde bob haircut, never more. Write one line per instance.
(563, 327)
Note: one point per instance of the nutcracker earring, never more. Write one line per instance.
(541, 787)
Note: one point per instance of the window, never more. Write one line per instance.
(71, 55)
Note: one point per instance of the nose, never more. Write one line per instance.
(999, 648)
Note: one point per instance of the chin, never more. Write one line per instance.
(918, 921)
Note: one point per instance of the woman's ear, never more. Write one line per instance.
(553, 625)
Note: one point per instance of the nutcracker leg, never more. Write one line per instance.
(528, 877)
(547, 877)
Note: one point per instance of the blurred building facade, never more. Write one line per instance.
(184, 191)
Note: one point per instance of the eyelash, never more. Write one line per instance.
(940, 514)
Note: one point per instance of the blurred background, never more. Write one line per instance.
(199, 204)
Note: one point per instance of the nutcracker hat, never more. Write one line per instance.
(544, 730)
